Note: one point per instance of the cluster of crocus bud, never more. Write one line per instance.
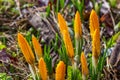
(95, 35)
(29, 56)
(66, 36)
(61, 67)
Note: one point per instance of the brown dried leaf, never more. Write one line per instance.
(115, 57)
(109, 29)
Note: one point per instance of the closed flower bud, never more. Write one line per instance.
(26, 50)
(60, 71)
(68, 44)
(96, 47)
(62, 24)
(37, 47)
(43, 69)
(94, 23)
(85, 70)
(66, 36)
(77, 26)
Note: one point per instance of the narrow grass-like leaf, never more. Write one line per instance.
(48, 61)
(62, 2)
(63, 54)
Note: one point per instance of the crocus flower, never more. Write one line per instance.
(96, 47)
(68, 44)
(37, 47)
(42, 69)
(62, 24)
(85, 70)
(66, 36)
(95, 35)
(77, 26)
(94, 23)
(60, 71)
(26, 50)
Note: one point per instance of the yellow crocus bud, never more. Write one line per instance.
(95, 47)
(42, 69)
(68, 44)
(26, 50)
(66, 36)
(94, 23)
(77, 26)
(36, 47)
(60, 71)
(85, 70)
(62, 24)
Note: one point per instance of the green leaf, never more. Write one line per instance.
(62, 2)
(57, 7)
(73, 73)
(3, 76)
(113, 40)
(2, 46)
(113, 3)
(48, 10)
(48, 59)
(79, 4)
(63, 54)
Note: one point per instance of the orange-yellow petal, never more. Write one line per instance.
(68, 44)
(43, 69)
(94, 22)
(62, 23)
(60, 71)
(26, 50)
(77, 26)
(36, 47)
(96, 44)
(85, 70)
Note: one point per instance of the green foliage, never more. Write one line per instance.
(4, 76)
(63, 54)
(80, 6)
(73, 73)
(117, 27)
(48, 59)
(113, 39)
(2, 46)
(48, 10)
(62, 3)
(78, 46)
(98, 7)
(55, 43)
(113, 3)
(6, 4)
(28, 5)
(56, 6)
